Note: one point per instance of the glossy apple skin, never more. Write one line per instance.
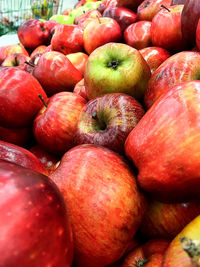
(54, 126)
(166, 29)
(18, 109)
(108, 203)
(79, 89)
(133, 5)
(154, 56)
(122, 15)
(106, 3)
(198, 35)
(138, 34)
(166, 220)
(175, 256)
(56, 73)
(16, 60)
(8, 50)
(163, 141)
(91, 13)
(49, 161)
(33, 215)
(15, 136)
(149, 8)
(33, 33)
(115, 116)
(38, 50)
(133, 71)
(189, 20)
(100, 32)
(79, 60)
(67, 39)
(152, 251)
(181, 67)
(20, 156)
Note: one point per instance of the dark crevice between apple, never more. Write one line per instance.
(192, 248)
(141, 263)
(100, 124)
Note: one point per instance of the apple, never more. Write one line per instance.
(150, 254)
(32, 62)
(8, 50)
(54, 125)
(62, 19)
(16, 60)
(164, 145)
(178, 2)
(99, 32)
(106, 3)
(15, 136)
(149, 8)
(104, 203)
(138, 34)
(56, 73)
(198, 35)
(67, 39)
(33, 215)
(66, 11)
(166, 29)
(189, 20)
(166, 220)
(116, 68)
(107, 120)
(91, 13)
(154, 56)
(79, 89)
(133, 5)
(79, 60)
(20, 156)
(19, 100)
(181, 67)
(38, 50)
(122, 15)
(32, 33)
(186, 242)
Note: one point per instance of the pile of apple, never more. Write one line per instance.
(100, 137)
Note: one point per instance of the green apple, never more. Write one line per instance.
(63, 19)
(116, 68)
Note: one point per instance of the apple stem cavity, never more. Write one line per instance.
(42, 99)
(192, 248)
(163, 6)
(101, 125)
(113, 64)
(141, 263)
(30, 64)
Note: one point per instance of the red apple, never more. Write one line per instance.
(79, 89)
(189, 20)
(138, 34)
(181, 67)
(79, 60)
(122, 15)
(91, 13)
(198, 35)
(67, 39)
(107, 120)
(38, 50)
(131, 4)
(51, 24)
(166, 220)
(32, 62)
(16, 60)
(8, 50)
(103, 201)
(56, 73)
(149, 8)
(154, 56)
(35, 228)
(19, 101)
(164, 145)
(106, 3)
(33, 33)
(99, 32)
(54, 125)
(66, 11)
(15, 136)
(166, 29)
(178, 2)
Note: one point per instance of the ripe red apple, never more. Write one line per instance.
(99, 32)
(166, 29)
(189, 20)
(178, 2)
(184, 244)
(79, 89)
(19, 100)
(66, 11)
(56, 73)
(198, 35)
(103, 201)
(133, 5)
(67, 39)
(32, 62)
(15, 136)
(122, 15)
(164, 145)
(181, 67)
(116, 68)
(38, 50)
(16, 60)
(33, 33)
(138, 34)
(166, 220)
(107, 120)
(54, 125)
(91, 13)
(149, 8)
(106, 3)
(154, 56)
(35, 228)
(79, 60)
(8, 50)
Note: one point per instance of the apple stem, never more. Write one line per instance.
(165, 8)
(141, 262)
(42, 99)
(192, 248)
(30, 64)
(98, 19)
